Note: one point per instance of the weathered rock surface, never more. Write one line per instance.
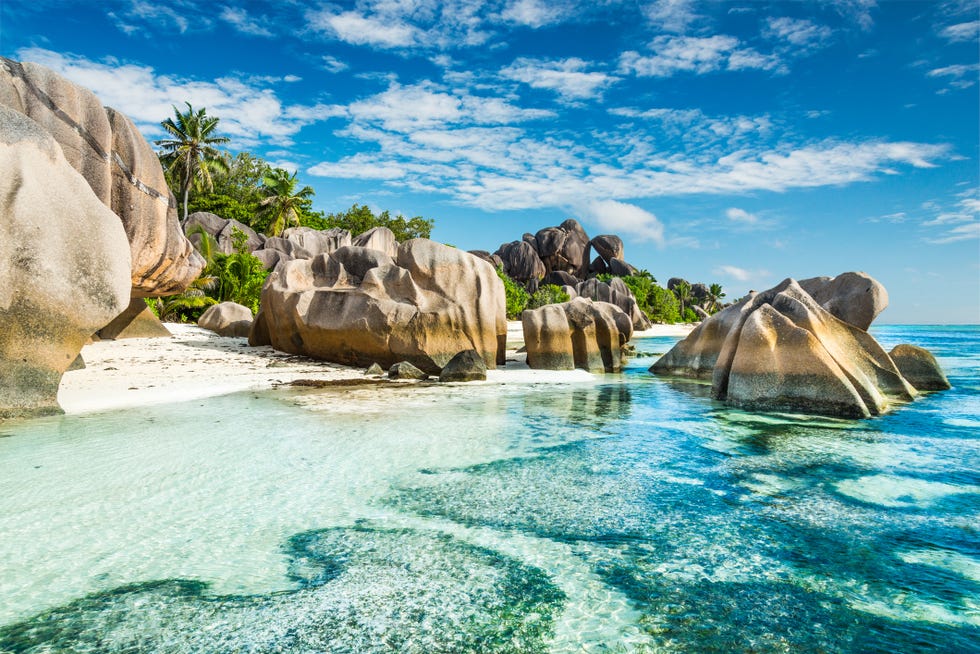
(119, 166)
(318, 241)
(615, 292)
(222, 231)
(782, 350)
(521, 261)
(227, 319)
(854, 297)
(608, 246)
(466, 366)
(579, 333)
(374, 370)
(919, 367)
(377, 238)
(405, 370)
(64, 265)
(358, 306)
(136, 321)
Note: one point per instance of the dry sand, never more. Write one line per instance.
(197, 363)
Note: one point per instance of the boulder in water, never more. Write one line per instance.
(919, 367)
(579, 333)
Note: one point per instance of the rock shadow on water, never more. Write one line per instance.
(360, 589)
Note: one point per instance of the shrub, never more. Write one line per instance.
(547, 294)
(517, 296)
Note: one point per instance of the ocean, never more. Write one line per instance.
(632, 514)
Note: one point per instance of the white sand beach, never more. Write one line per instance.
(196, 363)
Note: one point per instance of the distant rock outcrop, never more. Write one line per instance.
(783, 350)
(64, 265)
(120, 167)
(615, 292)
(579, 333)
(359, 306)
(222, 231)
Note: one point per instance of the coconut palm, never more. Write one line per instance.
(282, 203)
(714, 297)
(191, 155)
(683, 293)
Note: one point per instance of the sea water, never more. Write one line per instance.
(626, 514)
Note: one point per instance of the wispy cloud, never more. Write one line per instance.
(360, 29)
(240, 19)
(698, 55)
(741, 216)
(672, 15)
(334, 65)
(961, 76)
(959, 221)
(570, 78)
(968, 31)
(533, 13)
(803, 35)
(741, 274)
(152, 18)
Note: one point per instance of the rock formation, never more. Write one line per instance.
(64, 265)
(919, 367)
(227, 319)
(783, 350)
(120, 167)
(615, 292)
(222, 231)
(466, 366)
(854, 297)
(579, 333)
(358, 306)
(136, 321)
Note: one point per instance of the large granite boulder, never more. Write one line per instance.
(615, 292)
(121, 169)
(222, 231)
(579, 333)
(227, 319)
(782, 350)
(359, 306)
(608, 246)
(378, 238)
(919, 367)
(317, 241)
(493, 259)
(854, 297)
(64, 266)
(521, 261)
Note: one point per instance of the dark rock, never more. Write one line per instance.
(608, 246)
(673, 282)
(405, 370)
(560, 278)
(521, 261)
(621, 268)
(920, 368)
(550, 241)
(374, 369)
(598, 266)
(616, 292)
(466, 366)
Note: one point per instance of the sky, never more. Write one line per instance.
(736, 142)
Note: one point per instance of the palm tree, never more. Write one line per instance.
(683, 293)
(282, 202)
(190, 155)
(714, 296)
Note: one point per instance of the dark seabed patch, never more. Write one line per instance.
(359, 590)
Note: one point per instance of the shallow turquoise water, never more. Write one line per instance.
(632, 514)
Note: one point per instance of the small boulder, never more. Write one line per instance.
(466, 366)
(920, 368)
(227, 319)
(405, 370)
(137, 321)
(374, 370)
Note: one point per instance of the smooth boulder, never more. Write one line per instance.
(854, 297)
(782, 350)
(120, 167)
(579, 333)
(919, 367)
(227, 319)
(136, 321)
(358, 306)
(466, 366)
(64, 266)
(405, 370)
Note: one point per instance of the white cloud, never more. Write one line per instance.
(671, 15)
(358, 167)
(624, 218)
(961, 76)
(802, 34)
(858, 11)
(250, 112)
(151, 18)
(240, 19)
(698, 55)
(359, 29)
(532, 13)
(742, 216)
(741, 274)
(968, 31)
(966, 232)
(570, 78)
(334, 65)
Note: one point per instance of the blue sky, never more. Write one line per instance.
(731, 142)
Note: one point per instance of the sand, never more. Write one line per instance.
(196, 363)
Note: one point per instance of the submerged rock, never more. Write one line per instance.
(358, 306)
(466, 366)
(782, 350)
(120, 167)
(579, 333)
(227, 319)
(64, 266)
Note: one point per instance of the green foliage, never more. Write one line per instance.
(517, 296)
(189, 305)
(662, 305)
(547, 294)
(239, 276)
(281, 202)
(359, 219)
(641, 288)
(715, 294)
(189, 156)
(604, 277)
(690, 316)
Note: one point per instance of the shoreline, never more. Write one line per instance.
(196, 363)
